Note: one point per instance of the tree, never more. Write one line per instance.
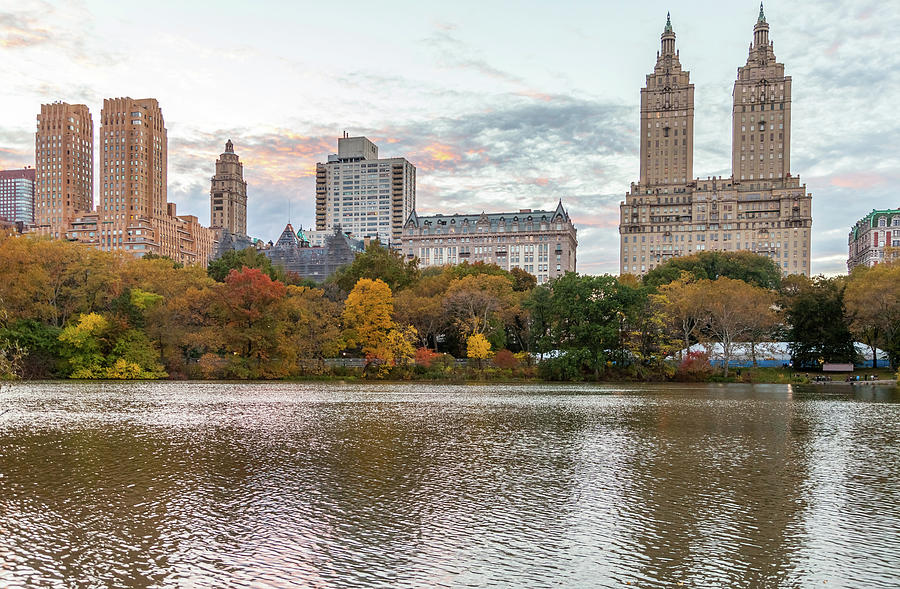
(422, 307)
(478, 347)
(378, 263)
(250, 257)
(680, 304)
(368, 314)
(369, 324)
(586, 315)
(474, 303)
(731, 308)
(250, 327)
(873, 306)
(817, 322)
(758, 270)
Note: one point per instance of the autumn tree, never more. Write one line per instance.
(732, 308)
(478, 348)
(476, 303)
(680, 304)
(247, 307)
(873, 307)
(369, 324)
(422, 307)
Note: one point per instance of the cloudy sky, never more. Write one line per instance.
(499, 104)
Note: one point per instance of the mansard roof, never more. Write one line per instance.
(483, 218)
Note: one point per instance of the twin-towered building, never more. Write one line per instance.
(133, 213)
(760, 208)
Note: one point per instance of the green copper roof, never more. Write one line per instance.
(762, 15)
(668, 28)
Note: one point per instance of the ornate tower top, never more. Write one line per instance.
(229, 146)
(667, 38)
(761, 30)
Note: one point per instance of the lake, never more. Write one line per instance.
(417, 485)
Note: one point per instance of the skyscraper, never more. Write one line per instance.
(228, 194)
(133, 214)
(761, 208)
(364, 195)
(667, 118)
(64, 164)
(17, 195)
(761, 127)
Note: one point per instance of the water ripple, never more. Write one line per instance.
(286, 485)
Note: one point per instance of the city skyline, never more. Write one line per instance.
(544, 107)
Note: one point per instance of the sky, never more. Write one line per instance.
(500, 105)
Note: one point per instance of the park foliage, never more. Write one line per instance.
(69, 311)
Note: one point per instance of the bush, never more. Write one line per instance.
(505, 359)
(564, 367)
(694, 367)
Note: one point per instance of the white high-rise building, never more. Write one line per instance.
(364, 195)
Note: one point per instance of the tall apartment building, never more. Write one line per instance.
(761, 208)
(542, 243)
(874, 239)
(362, 194)
(228, 194)
(133, 214)
(17, 195)
(64, 166)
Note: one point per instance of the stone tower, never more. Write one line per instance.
(761, 124)
(667, 119)
(228, 194)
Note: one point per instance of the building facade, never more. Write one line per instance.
(761, 208)
(133, 214)
(367, 196)
(542, 243)
(875, 239)
(228, 194)
(293, 253)
(17, 195)
(64, 166)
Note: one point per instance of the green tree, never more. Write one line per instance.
(377, 263)
(758, 270)
(220, 268)
(817, 322)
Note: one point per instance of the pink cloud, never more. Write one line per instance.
(858, 180)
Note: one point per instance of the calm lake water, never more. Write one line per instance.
(307, 485)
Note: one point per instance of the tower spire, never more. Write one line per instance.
(762, 15)
(667, 39)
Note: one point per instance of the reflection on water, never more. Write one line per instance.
(213, 484)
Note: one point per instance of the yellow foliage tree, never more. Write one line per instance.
(369, 324)
(478, 347)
